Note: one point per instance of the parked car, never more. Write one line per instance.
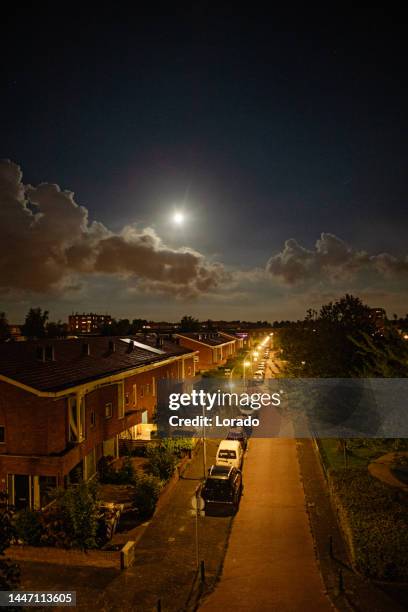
(238, 433)
(229, 453)
(222, 490)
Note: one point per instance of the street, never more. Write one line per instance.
(270, 562)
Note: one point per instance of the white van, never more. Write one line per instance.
(229, 453)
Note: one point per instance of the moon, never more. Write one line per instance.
(178, 218)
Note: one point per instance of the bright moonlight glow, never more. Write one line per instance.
(178, 218)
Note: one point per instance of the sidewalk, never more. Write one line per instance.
(165, 561)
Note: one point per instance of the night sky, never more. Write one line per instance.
(285, 150)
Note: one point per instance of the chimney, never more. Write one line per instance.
(86, 348)
(40, 353)
(112, 347)
(50, 352)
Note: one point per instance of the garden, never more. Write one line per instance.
(373, 514)
(80, 517)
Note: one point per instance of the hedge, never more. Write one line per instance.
(376, 517)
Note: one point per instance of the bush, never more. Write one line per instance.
(378, 522)
(162, 460)
(182, 446)
(125, 475)
(146, 495)
(9, 571)
(29, 527)
(72, 521)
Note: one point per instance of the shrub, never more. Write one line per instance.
(29, 527)
(182, 446)
(9, 571)
(162, 460)
(147, 493)
(73, 520)
(125, 475)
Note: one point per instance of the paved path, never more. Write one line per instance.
(381, 469)
(270, 563)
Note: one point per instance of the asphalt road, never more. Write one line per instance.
(270, 562)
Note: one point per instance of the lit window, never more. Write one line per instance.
(108, 410)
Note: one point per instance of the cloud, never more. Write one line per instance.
(332, 260)
(48, 243)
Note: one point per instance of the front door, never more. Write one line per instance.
(21, 491)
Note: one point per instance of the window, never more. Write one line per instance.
(127, 398)
(142, 391)
(189, 371)
(108, 410)
(153, 385)
(93, 418)
(2, 434)
(135, 395)
(147, 389)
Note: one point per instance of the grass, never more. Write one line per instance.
(360, 452)
(377, 518)
(374, 515)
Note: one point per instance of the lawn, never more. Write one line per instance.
(360, 452)
(373, 515)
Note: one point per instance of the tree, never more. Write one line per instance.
(56, 330)
(9, 571)
(137, 325)
(4, 327)
(189, 324)
(34, 326)
(324, 345)
(388, 359)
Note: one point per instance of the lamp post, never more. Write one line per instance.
(246, 364)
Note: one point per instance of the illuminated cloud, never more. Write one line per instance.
(332, 260)
(47, 241)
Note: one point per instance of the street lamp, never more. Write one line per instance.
(246, 364)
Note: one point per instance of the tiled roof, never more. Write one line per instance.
(72, 365)
(210, 338)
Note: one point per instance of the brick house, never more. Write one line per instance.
(213, 348)
(65, 403)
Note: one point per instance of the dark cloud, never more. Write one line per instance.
(332, 259)
(47, 240)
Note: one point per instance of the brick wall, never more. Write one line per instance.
(36, 428)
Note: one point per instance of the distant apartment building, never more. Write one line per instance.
(87, 323)
(378, 316)
(213, 348)
(64, 404)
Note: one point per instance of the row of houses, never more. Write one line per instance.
(66, 403)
